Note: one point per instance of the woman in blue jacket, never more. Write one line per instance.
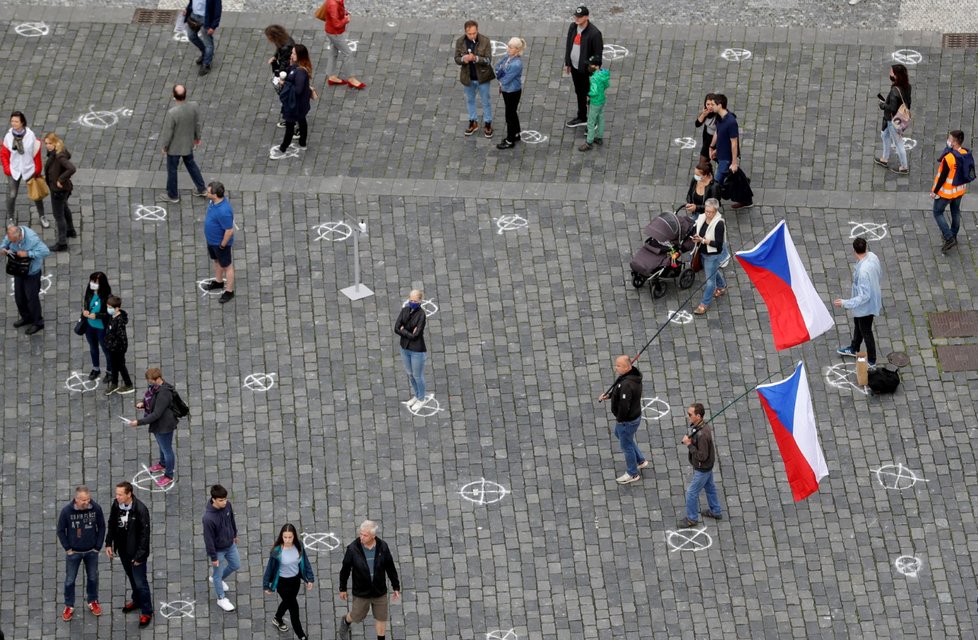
(295, 93)
(509, 73)
(287, 568)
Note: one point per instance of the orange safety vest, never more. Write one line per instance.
(949, 190)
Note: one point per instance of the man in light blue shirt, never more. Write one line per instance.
(24, 243)
(865, 303)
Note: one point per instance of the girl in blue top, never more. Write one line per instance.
(509, 73)
(287, 568)
(96, 314)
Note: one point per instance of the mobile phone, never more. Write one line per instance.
(880, 97)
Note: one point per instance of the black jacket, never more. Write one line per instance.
(410, 326)
(295, 94)
(220, 529)
(59, 167)
(712, 191)
(626, 396)
(356, 562)
(702, 454)
(116, 340)
(133, 542)
(893, 102)
(282, 56)
(103, 294)
(591, 45)
(161, 418)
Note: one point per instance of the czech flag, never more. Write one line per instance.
(788, 405)
(797, 313)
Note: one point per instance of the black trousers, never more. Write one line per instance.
(288, 589)
(291, 128)
(512, 102)
(117, 365)
(27, 295)
(582, 86)
(62, 215)
(864, 331)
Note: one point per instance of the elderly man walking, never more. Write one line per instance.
(370, 562)
(181, 133)
(626, 405)
(23, 247)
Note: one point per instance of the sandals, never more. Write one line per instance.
(882, 163)
(719, 293)
(700, 310)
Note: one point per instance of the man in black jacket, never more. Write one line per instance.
(583, 42)
(81, 530)
(702, 456)
(626, 405)
(128, 537)
(371, 563)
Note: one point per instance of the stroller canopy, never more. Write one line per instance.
(666, 231)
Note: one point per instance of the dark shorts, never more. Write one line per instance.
(219, 255)
(360, 607)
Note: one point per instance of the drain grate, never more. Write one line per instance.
(159, 17)
(953, 324)
(960, 41)
(958, 358)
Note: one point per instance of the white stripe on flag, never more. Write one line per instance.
(805, 429)
(813, 310)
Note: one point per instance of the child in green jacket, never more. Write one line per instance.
(600, 80)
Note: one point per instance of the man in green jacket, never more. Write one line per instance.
(600, 80)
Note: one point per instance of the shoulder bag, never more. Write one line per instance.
(18, 267)
(37, 189)
(81, 326)
(903, 118)
(321, 12)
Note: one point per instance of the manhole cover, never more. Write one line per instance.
(953, 324)
(155, 17)
(898, 359)
(960, 41)
(958, 357)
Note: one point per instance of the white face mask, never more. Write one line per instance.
(950, 142)
(93, 286)
(111, 311)
(697, 178)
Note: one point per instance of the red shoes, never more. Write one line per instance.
(334, 83)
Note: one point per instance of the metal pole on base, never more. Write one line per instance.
(358, 291)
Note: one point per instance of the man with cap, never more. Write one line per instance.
(583, 42)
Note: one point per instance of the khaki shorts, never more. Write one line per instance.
(362, 605)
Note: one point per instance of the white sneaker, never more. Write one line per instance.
(276, 153)
(44, 222)
(641, 466)
(224, 585)
(628, 478)
(418, 403)
(225, 604)
(410, 401)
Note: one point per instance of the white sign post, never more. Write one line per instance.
(357, 291)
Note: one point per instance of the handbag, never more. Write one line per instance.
(81, 326)
(321, 12)
(696, 263)
(903, 118)
(18, 267)
(37, 189)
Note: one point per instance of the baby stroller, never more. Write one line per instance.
(661, 257)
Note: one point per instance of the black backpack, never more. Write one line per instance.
(178, 406)
(882, 380)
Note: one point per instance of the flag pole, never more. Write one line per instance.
(727, 406)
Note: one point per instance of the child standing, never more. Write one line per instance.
(116, 344)
(600, 80)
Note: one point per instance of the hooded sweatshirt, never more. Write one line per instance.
(220, 530)
(81, 529)
(600, 81)
(116, 340)
(626, 396)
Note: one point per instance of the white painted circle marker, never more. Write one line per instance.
(685, 143)
(501, 634)
(79, 383)
(428, 408)
(202, 285)
(429, 306)
(909, 144)
(180, 36)
(843, 376)
(908, 565)
(680, 317)
(510, 223)
(483, 492)
(97, 119)
(869, 230)
(907, 56)
(897, 476)
(319, 541)
(614, 52)
(736, 55)
(152, 213)
(146, 480)
(32, 29)
(291, 152)
(177, 609)
(532, 137)
(259, 382)
(688, 540)
(333, 231)
(46, 281)
(654, 408)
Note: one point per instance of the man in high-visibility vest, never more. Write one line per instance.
(945, 191)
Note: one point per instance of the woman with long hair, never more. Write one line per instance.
(708, 120)
(701, 188)
(57, 172)
(95, 312)
(296, 92)
(899, 95)
(287, 568)
(283, 43)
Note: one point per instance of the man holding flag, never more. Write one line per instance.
(626, 405)
(702, 456)
(865, 302)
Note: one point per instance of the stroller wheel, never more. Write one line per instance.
(659, 289)
(638, 281)
(686, 278)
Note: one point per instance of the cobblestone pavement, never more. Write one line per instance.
(524, 254)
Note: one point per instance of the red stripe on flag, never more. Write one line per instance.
(787, 323)
(796, 466)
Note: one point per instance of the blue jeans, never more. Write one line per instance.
(232, 562)
(414, 365)
(939, 206)
(625, 432)
(96, 338)
(714, 278)
(167, 458)
(72, 562)
(723, 166)
(892, 137)
(201, 40)
(172, 162)
(483, 88)
(141, 595)
(701, 480)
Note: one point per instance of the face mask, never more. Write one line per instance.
(111, 311)
(698, 178)
(949, 142)
(414, 305)
(93, 286)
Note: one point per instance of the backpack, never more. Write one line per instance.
(178, 406)
(882, 380)
(964, 171)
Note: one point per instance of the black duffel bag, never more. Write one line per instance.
(16, 266)
(883, 380)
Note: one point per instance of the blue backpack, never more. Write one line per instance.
(964, 164)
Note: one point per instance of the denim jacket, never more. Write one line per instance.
(509, 72)
(33, 245)
(866, 297)
(270, 579)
